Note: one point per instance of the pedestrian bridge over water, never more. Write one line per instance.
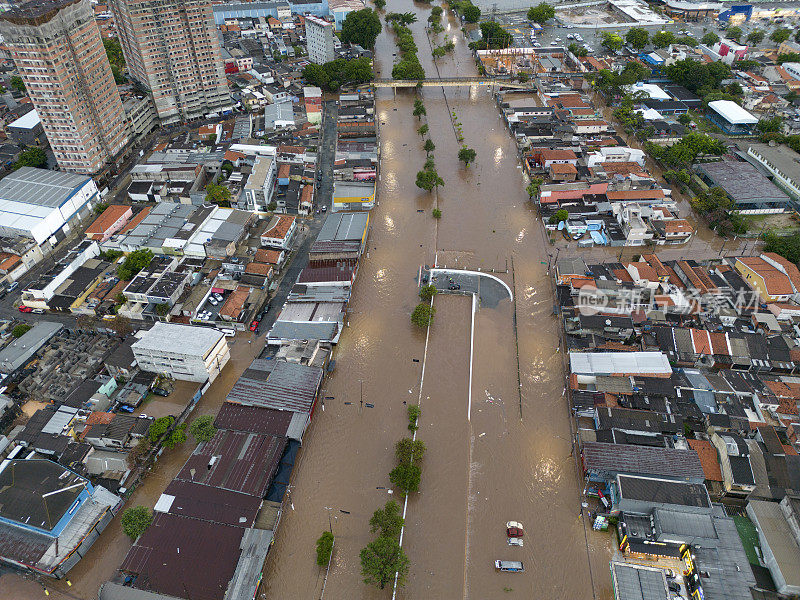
(451, 82)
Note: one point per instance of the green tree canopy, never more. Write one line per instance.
(780, 35)
(472, 14)
(427, 179)
(789, 57)
(20, 330)
(202, 428)
(423, 315)
(325, 541)
(381, 559)
(218, 194)
(533, 186)
(429, 146)
(770, 125)
(694, 75)
(787, 246)
(409, 450)
(755, 37)
(361, 27)
(426, 292)
(541, 13)
(388, 521)
(114, 52)
(159, 427)
(710, 38)
(637, 37)
(17, 83)
(31, 157)
(467, 155)
(176, 437)
(332, 75)
(406, 477)
(422, 130)
(687, 40)
(734, 32)
(493, 36)
(133, 263)
(663, 39)
(135, 521)
(612, 41)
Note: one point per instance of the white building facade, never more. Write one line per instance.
(319, 40)
(182, 352)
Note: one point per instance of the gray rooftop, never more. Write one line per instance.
(635, 582)
(290, 330)
(742, 181)
(279, 385)
(20, 350)
(344, 226)
(773, 529)
(180, 339)
(40, 186)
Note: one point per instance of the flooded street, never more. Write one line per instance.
(484, 464)
(105, 556)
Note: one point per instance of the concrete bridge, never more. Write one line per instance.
(451, 82)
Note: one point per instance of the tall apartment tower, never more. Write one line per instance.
(171, 48)
(319, 40)
(59, 54)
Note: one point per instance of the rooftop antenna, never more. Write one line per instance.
(493, 17)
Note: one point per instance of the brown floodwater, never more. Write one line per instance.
(511, 460)
(105, 556)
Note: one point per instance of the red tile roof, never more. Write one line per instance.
(708, 459)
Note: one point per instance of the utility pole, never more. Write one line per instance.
(361, 399)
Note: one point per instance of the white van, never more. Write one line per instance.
(228, 332)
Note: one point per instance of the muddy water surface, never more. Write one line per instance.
(509, 455)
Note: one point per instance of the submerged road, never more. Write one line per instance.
(484, 464)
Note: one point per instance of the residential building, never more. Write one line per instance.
(27, 129)
(781, 162)
(59, 54)
(279, 232)
(182, 351)
(171, 48)
(110, 221)
(734, 460)
(771, 284)
(319, 40)
(353, 195)
(779, 537)
(141, 113)
(260, 186)
(47, 512)
(44, 205)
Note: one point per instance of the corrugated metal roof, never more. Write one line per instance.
(234, 460)
(185, 558)
(606, 363)
(642, 460)
(290, 387)
(198, 501)
(253, 419)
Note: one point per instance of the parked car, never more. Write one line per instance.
(25, 309)
(454, 286)
(38, 311)
(511, 566)
(13, 286)
(253, 325)
(515, 541)
(213, 302)
(514, 529)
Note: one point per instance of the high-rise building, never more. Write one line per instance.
(59, 54)
(319, 40)
(171, 48)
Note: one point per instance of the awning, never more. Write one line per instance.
(216, 290)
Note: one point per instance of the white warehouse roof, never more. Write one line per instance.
(178, 339)
(732, 112)
(37, 202)
(27, 121)
(629, 363)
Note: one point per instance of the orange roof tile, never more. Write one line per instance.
(789, 267)
(267, 256)
(281, 227)
(563, 168)
(708, 459)
(646, 272)
(257, 268)
(234, 304)
(678, 226)
(701, 341)
(776, 283)
(8, 261)
(137, 218)
(106, 219)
